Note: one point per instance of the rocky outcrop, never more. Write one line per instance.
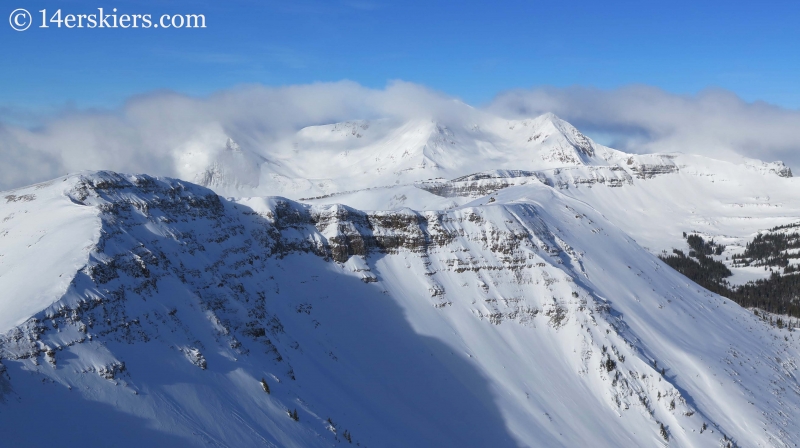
(489, 182)
(609, 176)
(649, 166)
(776, 168)
(481, 184)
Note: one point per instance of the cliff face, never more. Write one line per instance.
(489, 182)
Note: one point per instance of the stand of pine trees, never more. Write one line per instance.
(777, 294)
(769, 249)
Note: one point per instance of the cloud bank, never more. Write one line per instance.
(153, 133)
(643, 119)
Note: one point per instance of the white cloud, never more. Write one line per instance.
(152, 133)
(645, 119)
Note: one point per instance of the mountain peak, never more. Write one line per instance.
(231, 145)
(232, 170)
(550, 116)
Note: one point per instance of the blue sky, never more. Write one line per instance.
(472, 50)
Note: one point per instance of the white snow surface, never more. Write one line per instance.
(46, 240)
(502, 289)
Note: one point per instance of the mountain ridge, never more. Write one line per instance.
(175, 283)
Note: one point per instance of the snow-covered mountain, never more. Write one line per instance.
(326, 159)
(652, 197)
(487, 284)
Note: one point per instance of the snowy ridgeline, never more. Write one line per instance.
(138, 310)
(344, 157)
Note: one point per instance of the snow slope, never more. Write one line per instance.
(46, 239)
(519, 317)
